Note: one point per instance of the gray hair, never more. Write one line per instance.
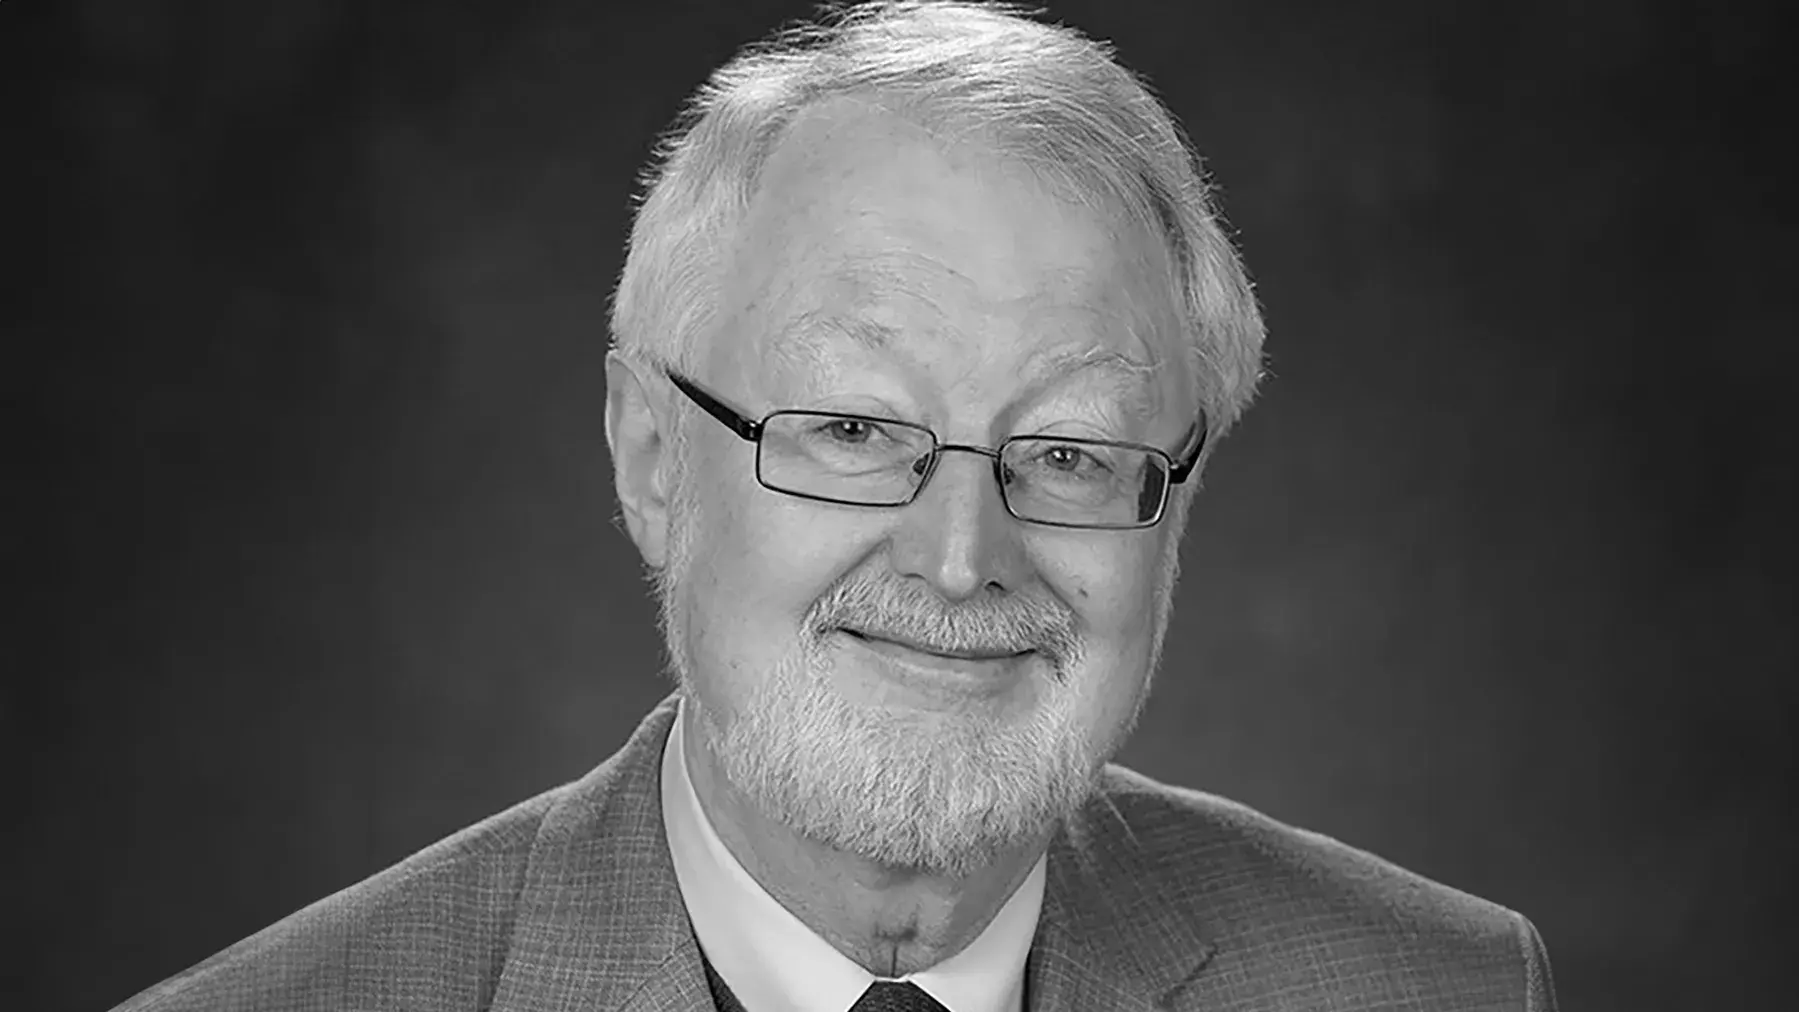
(1044, 94)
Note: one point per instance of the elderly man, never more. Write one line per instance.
(925, 331)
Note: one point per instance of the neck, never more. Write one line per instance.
(891, 921)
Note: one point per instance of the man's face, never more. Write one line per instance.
(882, 272)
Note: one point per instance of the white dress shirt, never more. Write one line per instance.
(774, 963)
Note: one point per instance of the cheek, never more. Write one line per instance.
(1112, 587)
(760, 561)
(1110, 581)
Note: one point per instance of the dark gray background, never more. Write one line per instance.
(314, 501)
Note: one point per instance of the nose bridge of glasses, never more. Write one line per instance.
(984, 451)
(933, 460)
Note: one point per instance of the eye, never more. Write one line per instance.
(1068, 458)
(849, 430)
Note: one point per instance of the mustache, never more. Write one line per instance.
(904, 611)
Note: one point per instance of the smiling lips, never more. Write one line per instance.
(998, 653)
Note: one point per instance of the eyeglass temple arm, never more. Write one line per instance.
(1182, 468)
(744, 427)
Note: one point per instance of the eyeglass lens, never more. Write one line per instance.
(867, 461)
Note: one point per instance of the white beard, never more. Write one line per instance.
(944, 794)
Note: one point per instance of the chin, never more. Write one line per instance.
(847, 754)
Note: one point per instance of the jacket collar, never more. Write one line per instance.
(599, 920)
(1111, 934)
(600, 923)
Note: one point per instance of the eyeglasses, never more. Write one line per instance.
(859, 460)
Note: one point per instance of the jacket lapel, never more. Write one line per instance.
(600, 921)
(1110, 937)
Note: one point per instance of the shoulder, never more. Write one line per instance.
(443, 929)
(1226, 849)
(429, 931)
(1287, 907)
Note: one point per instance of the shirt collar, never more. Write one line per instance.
(771, 960)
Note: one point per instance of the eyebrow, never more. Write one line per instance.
(867, 334)
(1129, 379)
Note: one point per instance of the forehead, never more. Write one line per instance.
(873, 231)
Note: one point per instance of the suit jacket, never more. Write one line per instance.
(1157, 898)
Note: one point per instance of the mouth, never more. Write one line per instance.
(895, 670)
(952, 654)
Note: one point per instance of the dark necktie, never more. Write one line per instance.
(881, 996)
(888, 996)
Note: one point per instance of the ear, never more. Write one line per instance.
(635, 433)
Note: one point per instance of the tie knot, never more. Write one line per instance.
(891, 996)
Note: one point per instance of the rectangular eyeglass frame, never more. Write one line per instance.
(751, 430)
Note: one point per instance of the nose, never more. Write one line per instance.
(957, 535)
